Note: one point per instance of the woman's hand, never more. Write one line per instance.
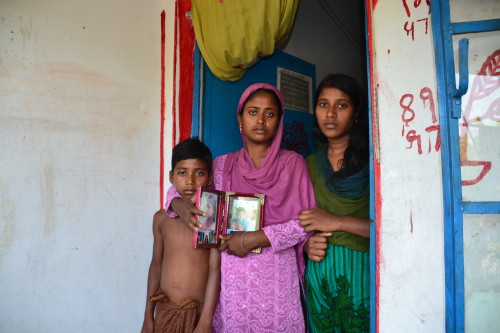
(187, 212)
(317, 219)
(233, 243)
(239, 243)
(316, 246)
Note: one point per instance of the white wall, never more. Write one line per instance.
(410, 231)
(79, 152)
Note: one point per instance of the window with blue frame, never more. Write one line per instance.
(467, 50)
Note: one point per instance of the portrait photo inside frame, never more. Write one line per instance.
(226, 212)
(209, 203)
(244, 214)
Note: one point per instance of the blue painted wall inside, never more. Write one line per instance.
(219, 127)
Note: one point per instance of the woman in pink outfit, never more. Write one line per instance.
(261, 292)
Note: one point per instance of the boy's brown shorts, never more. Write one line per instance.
(175, 318)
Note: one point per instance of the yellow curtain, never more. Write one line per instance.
(233, 34)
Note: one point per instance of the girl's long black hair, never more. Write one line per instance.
(357, 153)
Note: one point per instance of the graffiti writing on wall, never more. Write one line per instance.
(486, 84)
(408, 115)
(417, 23)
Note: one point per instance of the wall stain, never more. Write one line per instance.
(48, 199)
(7, 220)
(71, 120)
(26, 28)
(411, 222)
(3, 69)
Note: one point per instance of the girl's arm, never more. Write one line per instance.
(316, 246)
(211, 293)
(317, 219)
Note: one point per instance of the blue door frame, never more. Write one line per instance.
(450, 105)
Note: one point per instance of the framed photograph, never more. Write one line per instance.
(244, 213)
(226, 212)
(209, 203)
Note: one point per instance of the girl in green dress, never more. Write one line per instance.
(337, 274)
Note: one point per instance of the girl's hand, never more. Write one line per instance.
(234, 244)
(317, 219)
(187, 212)
(316, 246)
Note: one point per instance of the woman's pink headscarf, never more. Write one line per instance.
(282, 176)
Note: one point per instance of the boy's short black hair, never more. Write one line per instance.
(192, 148)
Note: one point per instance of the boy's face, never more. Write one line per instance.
(189, 174)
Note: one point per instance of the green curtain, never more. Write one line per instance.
(234, 34)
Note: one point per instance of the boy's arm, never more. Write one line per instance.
(154, 275)
(211, 293)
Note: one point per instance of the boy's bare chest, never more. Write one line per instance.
(177, 242)
(175, 233)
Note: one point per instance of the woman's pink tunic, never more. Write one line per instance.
(261, 292)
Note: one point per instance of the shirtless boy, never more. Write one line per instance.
(183, 283)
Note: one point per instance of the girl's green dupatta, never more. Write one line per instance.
(341, 196)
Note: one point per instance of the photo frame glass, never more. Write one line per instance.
(244, 214)
(209, 203)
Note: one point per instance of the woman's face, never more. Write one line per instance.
(259, 119)
(335, 113)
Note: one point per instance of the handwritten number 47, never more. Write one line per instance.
(409, 26)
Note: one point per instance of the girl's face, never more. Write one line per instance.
(259, 119)
(335, 113)
(210, 209)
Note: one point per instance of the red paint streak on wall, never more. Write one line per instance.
(186, 67)
(376, 160)
(162, 109)
(174, 92)
(182, 96)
